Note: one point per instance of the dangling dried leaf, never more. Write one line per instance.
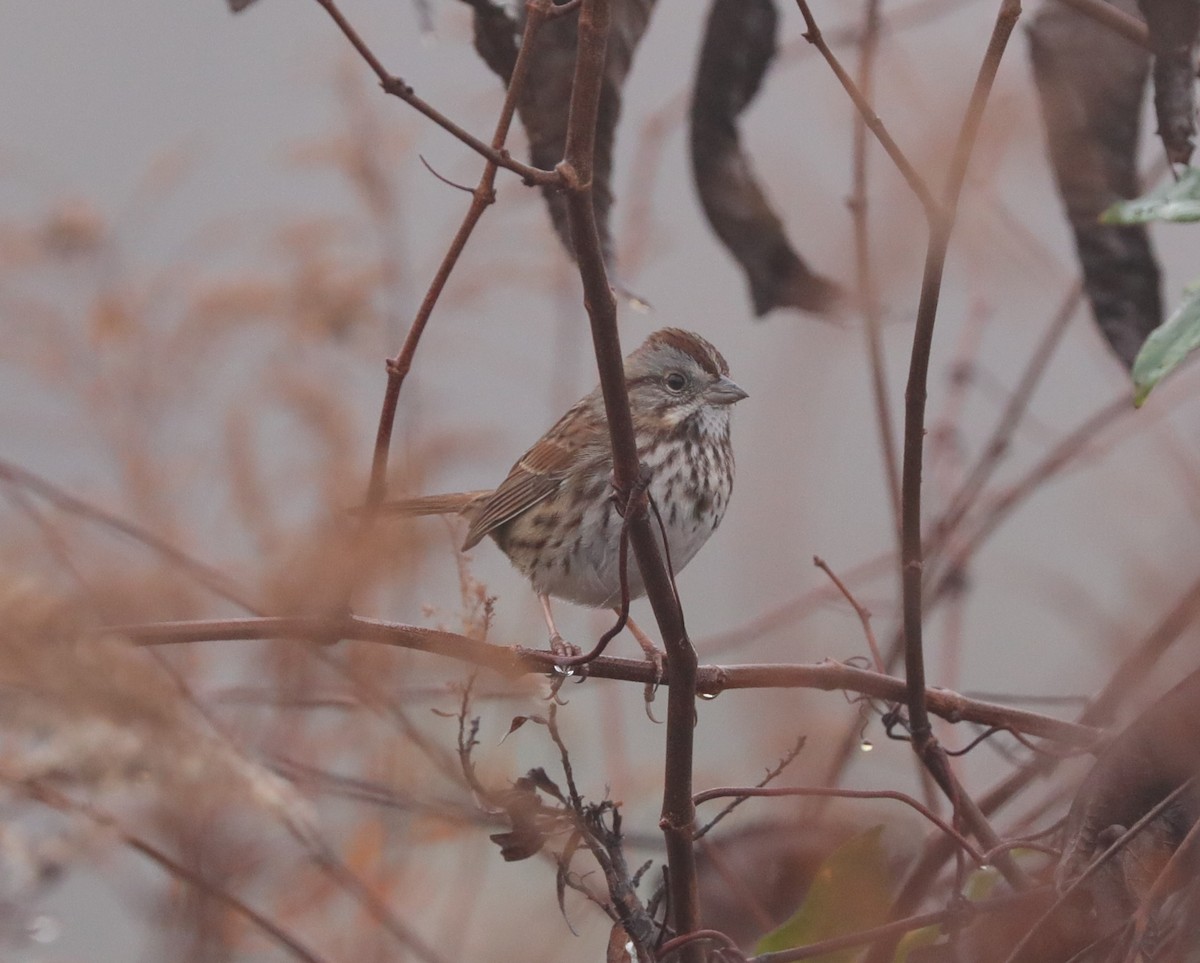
(1174, 29)
(739, 45)
(1090, 81)
(523, 808)
(546, 96)
(618, 946)
(538, 779)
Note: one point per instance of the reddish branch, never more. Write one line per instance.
(495, 154)
(924, 743)
(708, 679)
(576, 169)
(482, 197)
(745, 792)
(941, 215)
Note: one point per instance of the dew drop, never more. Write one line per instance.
(44, 929)
(866, 745)
(708, 696)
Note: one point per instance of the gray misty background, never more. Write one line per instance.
(194, 135)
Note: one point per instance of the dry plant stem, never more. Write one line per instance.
(896, 929)
(678, 813)
(864, 614)
(51, 797)
(868, 46)
(997, 446)
(745, 792)
(1100, 711)
(1129, 27)
(212, 579)
(495, 154)
(730, 949)
(513, 661)
(812, 33)
(924, 743)
(481, 198)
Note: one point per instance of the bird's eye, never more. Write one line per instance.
(676, 381)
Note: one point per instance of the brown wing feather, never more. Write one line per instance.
(535, 477)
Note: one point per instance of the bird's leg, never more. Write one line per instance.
(653, 653)
(558, 645)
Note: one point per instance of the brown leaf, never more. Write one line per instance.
(739, 45)
(618, 942)
(1090, 81)
(546, 97)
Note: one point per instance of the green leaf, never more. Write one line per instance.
(1176, 201)
(851, 891)
(1168, 345)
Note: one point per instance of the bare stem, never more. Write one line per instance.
(678, 812)
(495, 154)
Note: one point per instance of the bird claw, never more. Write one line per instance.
(649, 693)
(562, 648)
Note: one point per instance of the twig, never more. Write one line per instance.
(728, 946)
(962, 911)
(813, 35)
(868, 46)
(864, 614)
(941, 227)
(678, 813)
(212, 579)
(494, 153)
(1117, 20)
(788, 758)
(482, 197)
(515, 661)
(51, 797)
(1117, 845)
(747, 792)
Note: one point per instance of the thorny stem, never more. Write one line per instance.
(678, 813)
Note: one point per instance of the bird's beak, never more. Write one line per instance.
(724, 392)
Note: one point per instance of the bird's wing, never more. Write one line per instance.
(535, 477)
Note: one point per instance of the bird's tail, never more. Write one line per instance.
(452, 503)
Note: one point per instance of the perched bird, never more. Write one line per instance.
(554, 517)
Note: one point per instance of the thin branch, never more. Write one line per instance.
(868, 46)
(941, 227)
(212, 579)
(678, 813)
(746, 792)
(515, 661)
(494, 153)
(1117, 20)
(863, 613)
(51, 797)
(813, 35)
(960, 912)
(483, 196)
